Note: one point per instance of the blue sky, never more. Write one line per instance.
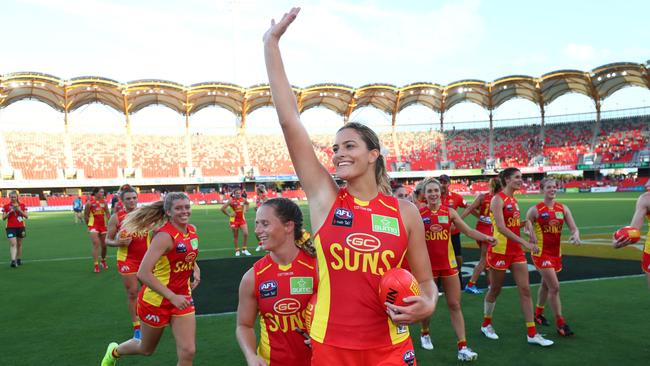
(348, 42)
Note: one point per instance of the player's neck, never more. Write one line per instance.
(363, 189)
(550, 202)
(285, 254)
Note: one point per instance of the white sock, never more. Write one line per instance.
(488, 308)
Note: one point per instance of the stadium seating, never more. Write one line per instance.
(37, 154)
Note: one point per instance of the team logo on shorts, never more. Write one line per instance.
(180, 247)
(152, 318)
(426, 220)
(342, 217)
(125, 268)
(268, 289)
(409, 357)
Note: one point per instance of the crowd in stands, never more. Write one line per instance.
(41, 155)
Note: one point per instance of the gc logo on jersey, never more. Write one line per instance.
(286, 306)
(268, 289)
(363, 242)
(342, 217)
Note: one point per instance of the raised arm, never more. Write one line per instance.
(319, 186)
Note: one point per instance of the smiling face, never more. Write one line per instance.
(514, 181)
(100, 194)
(432, 192)
(236, 193)
(401, 193)
(180, 211)
(273, 233)
(351, 155)
(550, 189)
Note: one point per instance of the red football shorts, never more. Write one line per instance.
(398, 355)
(236, 224)
(98, 227)
(128, 266)
(645, 262)
(502, 262)
(445, 272)
(159, 316)
(547, 261)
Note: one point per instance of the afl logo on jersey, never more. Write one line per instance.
(286, 306)
(363, 242)
(545, 216)
(426, 220)
(342, 217)
(180, 247)
(268, 289)
(509, 207)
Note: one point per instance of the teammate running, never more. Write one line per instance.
(508, 254)
(285, 276)
(15, 214)
(238, 206)
(95, 216)
(130, 250)
(165, 272)
(361, 232)
(545, 221)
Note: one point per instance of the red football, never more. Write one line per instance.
(628, 232)
(309, 312)
(395, 285)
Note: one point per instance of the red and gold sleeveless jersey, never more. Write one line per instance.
(260, 199)
(282, 295)
(511, 216)
(97, 212)
(358, 242)
(484, 222)
(238, 205)
(548, 229)
(175, 267)
(138, 246)
(437, 234)
(646, 247)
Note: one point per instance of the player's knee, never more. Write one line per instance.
(454, 306)
(186, 351)
(524, 291)
(553, 289)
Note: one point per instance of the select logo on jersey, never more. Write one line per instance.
(443, 219)
(286, 306)
(363, 242)
(342, 217)
(268, 289)
(194, 243)
(385, 224)
(426, 220)
(180, 247)
(559, 215)
(409, 358)
(301, 285)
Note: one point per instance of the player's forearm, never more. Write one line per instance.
(283, 97)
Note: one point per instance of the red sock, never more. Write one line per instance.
(461, 344)
(539, 310)
(487, 320)
(531, 329)
(560, 321)
(470, 283)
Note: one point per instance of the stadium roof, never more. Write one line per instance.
(68, 95)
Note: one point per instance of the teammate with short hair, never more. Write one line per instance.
(278, 287)
(438, 220)
(508, 254)
(130, 251)
(642, 209)
(165, 272)
(238, 206)
(360, 233)
(95, 216)
(544, 221)
(15, 214)
(483, 225)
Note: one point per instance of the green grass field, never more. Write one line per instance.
(55, 311)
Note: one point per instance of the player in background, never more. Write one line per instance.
(238, 206)
(400, 192)
(417, 196)
(130, 250)
(484, 225)
(168, 273)
(508, 254)
(279, 225)
(95, 216)
(350, 324)
(15, 214)
(455, 201)
(544, 221)
(260, 197)
(78, 208)
(642, 209)
(116, 201)
(438, 220)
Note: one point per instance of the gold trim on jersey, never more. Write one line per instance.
(264, 347)
(284, 267)
(540, 239)
(162, 272)
(646, 247)
(305, 264)
(502, 241)
(360, 202)
(387, 205)
(264, 269)
(398, 334)
(322, 311)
